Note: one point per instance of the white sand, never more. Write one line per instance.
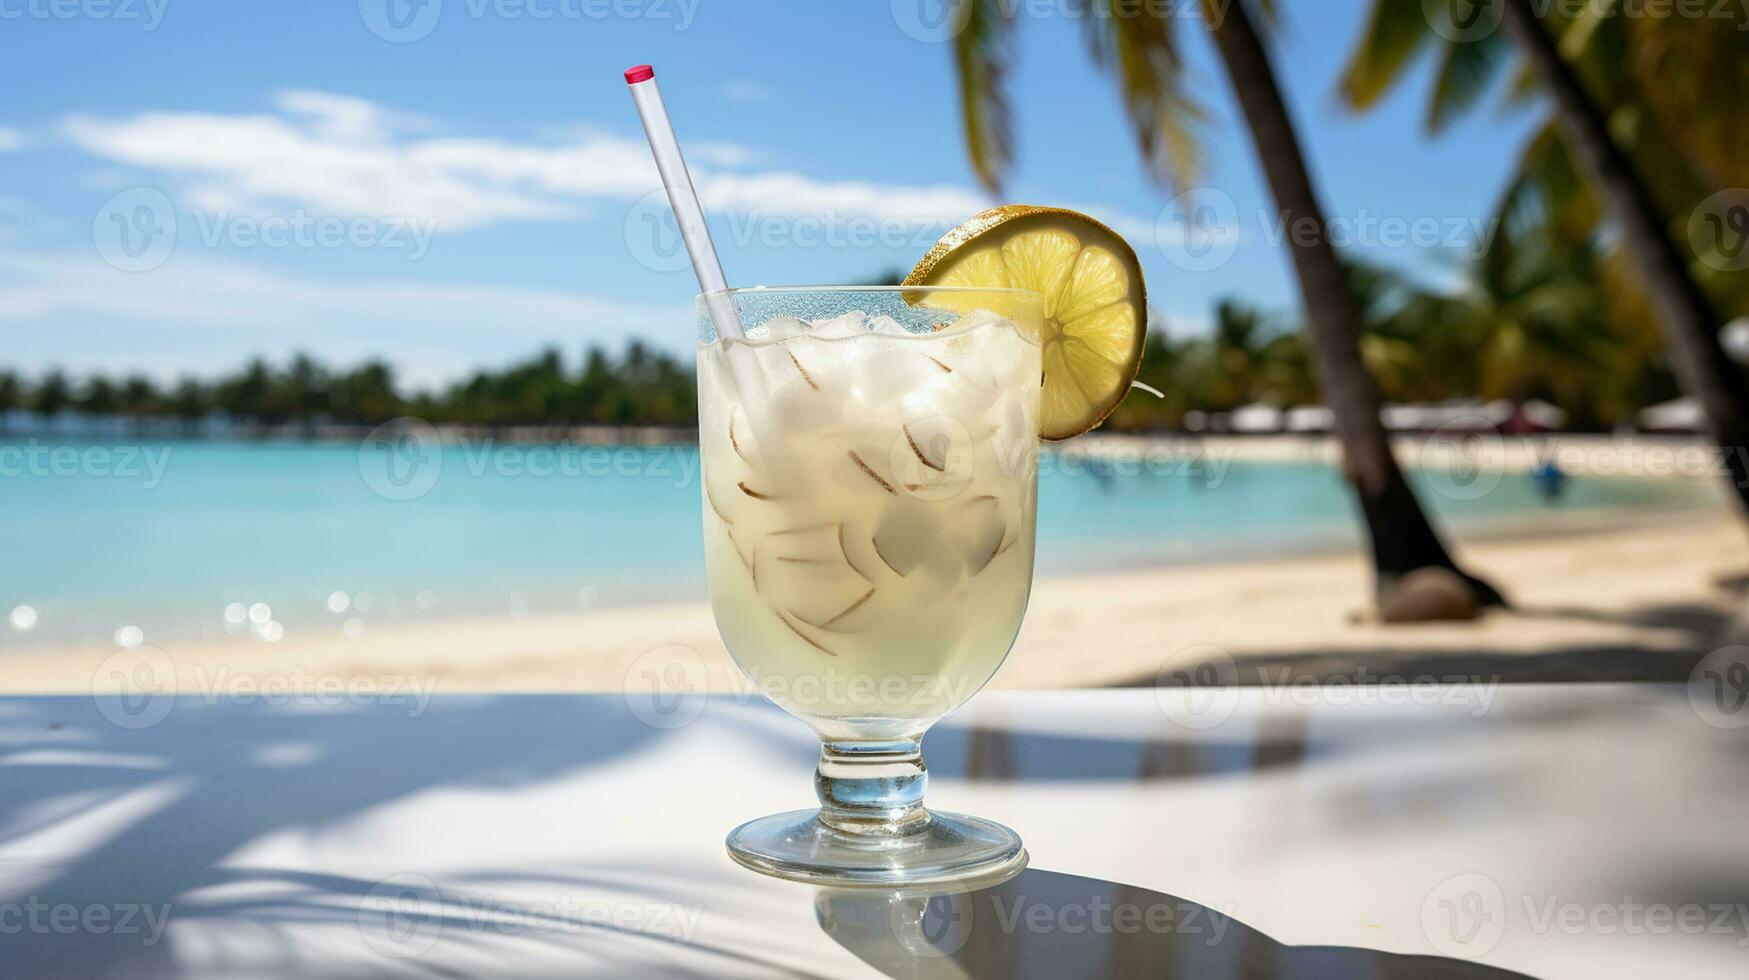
(1634, 601)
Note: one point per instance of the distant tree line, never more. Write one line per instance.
(1519, 326)
(640, 387)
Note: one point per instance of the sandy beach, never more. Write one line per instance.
(1598, 598)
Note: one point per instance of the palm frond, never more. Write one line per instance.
(1396, 31)
(1141, 51)
(1466, 71)
(981, 54)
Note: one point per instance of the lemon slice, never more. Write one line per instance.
(1095, 304)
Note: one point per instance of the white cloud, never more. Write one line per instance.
(10, 139)
(345, 117)
(343, 156)
(226, 311)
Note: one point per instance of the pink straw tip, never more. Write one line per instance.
(639, 73)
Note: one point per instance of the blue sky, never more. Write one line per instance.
(478, 188)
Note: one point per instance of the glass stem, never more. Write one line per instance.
(872, 787)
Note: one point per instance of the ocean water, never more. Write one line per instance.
(163, 537)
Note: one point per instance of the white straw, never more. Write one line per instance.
(688, 214)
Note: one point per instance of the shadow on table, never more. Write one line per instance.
(147, 821)
(1691, 630)
(1060, 926)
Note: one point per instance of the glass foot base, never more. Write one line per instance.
(949, 848)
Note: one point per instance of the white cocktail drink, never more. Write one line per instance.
(869, 525)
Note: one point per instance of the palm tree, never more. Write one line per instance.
(1140, 48)
(11, 396)
(53, 395)
(1399, 29)
(1528, 322)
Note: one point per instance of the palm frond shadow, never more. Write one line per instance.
(184, 803)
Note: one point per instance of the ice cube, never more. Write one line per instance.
(852, 324)
(778, 328)
(909, 536)
(891, 371)
(882, 324)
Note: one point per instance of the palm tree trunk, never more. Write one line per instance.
(1402, 537)
(1691, 325)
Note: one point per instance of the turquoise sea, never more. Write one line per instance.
(164, 536)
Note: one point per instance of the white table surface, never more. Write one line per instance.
(536, 836)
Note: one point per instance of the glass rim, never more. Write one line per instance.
(764, 290)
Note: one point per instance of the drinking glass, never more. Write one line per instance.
(870, 483)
